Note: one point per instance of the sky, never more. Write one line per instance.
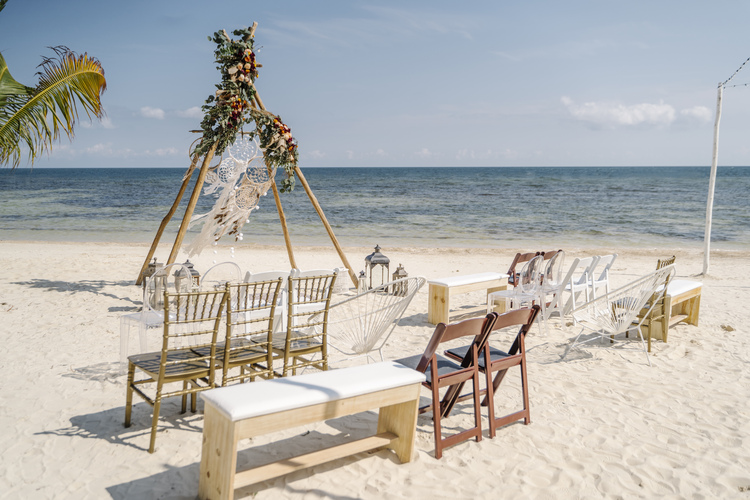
(411, 83)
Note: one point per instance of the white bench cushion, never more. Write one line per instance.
(263, 397)
(468, 279)
(678, 287)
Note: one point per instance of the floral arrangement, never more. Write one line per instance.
(232, 107)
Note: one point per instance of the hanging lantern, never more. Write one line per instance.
(377, 268)
(401, 288)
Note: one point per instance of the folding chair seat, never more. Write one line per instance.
(500, 362)
(443, 373)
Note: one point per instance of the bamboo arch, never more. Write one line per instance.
(256, 103)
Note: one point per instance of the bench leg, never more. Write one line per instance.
(693, 308)
(438, 309)
(218, 457)
(401, 419)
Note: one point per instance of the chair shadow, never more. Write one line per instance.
(86, 286)
(99, 372)
(108, 425)
(414, 320)
(349, 427)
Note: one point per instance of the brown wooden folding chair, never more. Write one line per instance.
(444, 373)
(499, 362)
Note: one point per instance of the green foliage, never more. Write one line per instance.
(36, 116)
(231, 107)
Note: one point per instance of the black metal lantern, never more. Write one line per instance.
(401, 288)
(377, 268)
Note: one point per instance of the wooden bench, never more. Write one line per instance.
(438, 309)
(683, 300)
(252, 409)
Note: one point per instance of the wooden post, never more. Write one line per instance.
(284, 228)
(168, 217)
(712, 183)
(322, 216)
(191, 204)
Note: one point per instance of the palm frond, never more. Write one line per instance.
(35, 119)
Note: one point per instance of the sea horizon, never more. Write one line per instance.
(472, 207)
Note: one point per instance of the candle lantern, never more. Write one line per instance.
(187, 283)
(362, 282)
(156, 297)
(149, 271)
(400, 288)
(377, 268)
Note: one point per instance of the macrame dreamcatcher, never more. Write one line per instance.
(238, 181)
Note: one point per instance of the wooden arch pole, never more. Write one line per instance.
(323, 219)
(168, 217)
(284, 228)
(191, 204)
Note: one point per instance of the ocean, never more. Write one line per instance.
(504, 207)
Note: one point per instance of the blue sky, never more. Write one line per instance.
(411, 83)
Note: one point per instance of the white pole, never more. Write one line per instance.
(712, 183)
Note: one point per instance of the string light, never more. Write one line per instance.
(735, 73)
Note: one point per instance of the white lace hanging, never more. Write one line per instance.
(238, 182)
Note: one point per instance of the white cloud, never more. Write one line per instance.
(156, 113)
(105, 122)
(613, 115)
(108, 150)
(423, 153)
(700, 113)
(163, 152)
(465, 154)
(315, 154)
(194, 112)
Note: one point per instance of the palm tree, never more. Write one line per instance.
(35, 116)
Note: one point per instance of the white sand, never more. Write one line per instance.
(604, 424)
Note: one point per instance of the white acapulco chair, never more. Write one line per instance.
(617, 312)
(362, 324)
(600, 273)
(172, 278)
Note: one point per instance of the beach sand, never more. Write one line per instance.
(603, 423)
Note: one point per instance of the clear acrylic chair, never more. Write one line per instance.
(220, 274)
(174, 278)
(527, 290)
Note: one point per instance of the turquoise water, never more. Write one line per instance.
(423, 207)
